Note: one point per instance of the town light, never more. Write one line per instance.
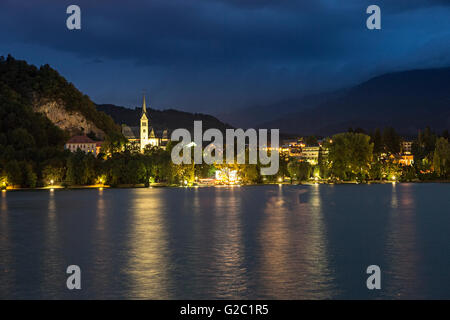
(227, 176)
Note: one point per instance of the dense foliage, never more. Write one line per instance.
(35, 85)
(31, 146)
(357, 156)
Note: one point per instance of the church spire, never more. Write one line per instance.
(144, 107)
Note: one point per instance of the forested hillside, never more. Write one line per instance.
(31, 146)
(162, 119)
(38, 86)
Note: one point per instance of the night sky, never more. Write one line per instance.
(213, 55)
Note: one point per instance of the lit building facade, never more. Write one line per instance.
(406, 147)
(311, 154)
(147, 133)
(144, 135)
(84, 144)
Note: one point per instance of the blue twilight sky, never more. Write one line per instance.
(213, 55)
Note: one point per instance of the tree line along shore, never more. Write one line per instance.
(350, 157)
(33, 153)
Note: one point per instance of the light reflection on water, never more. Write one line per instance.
(281, 242)
(148, 265)
(402, 252)
(292, 238)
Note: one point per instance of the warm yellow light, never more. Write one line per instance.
(280, 179)
(51, 181)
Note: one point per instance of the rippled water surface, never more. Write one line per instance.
(281, 242)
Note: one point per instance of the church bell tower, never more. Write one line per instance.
(144, 126)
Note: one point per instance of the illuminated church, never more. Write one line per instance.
(144, 135)
(147, 133)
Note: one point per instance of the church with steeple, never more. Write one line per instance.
(144, 135)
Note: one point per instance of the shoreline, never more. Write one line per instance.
(162, 185)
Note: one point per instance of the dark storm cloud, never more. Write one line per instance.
(176, 32)
(232, 50)
(192, 33)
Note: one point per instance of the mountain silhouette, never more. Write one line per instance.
(407, 101)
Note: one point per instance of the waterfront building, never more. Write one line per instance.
(406, 147)
(292, 148)
(406, 159)
(83, 143)
(226, 176)
(311, 154)
(295, 152)
(286, 149)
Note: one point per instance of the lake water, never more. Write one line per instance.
(260, 242)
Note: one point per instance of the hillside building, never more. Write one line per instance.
(84, 144)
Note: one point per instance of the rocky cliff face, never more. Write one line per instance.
(73, 122)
